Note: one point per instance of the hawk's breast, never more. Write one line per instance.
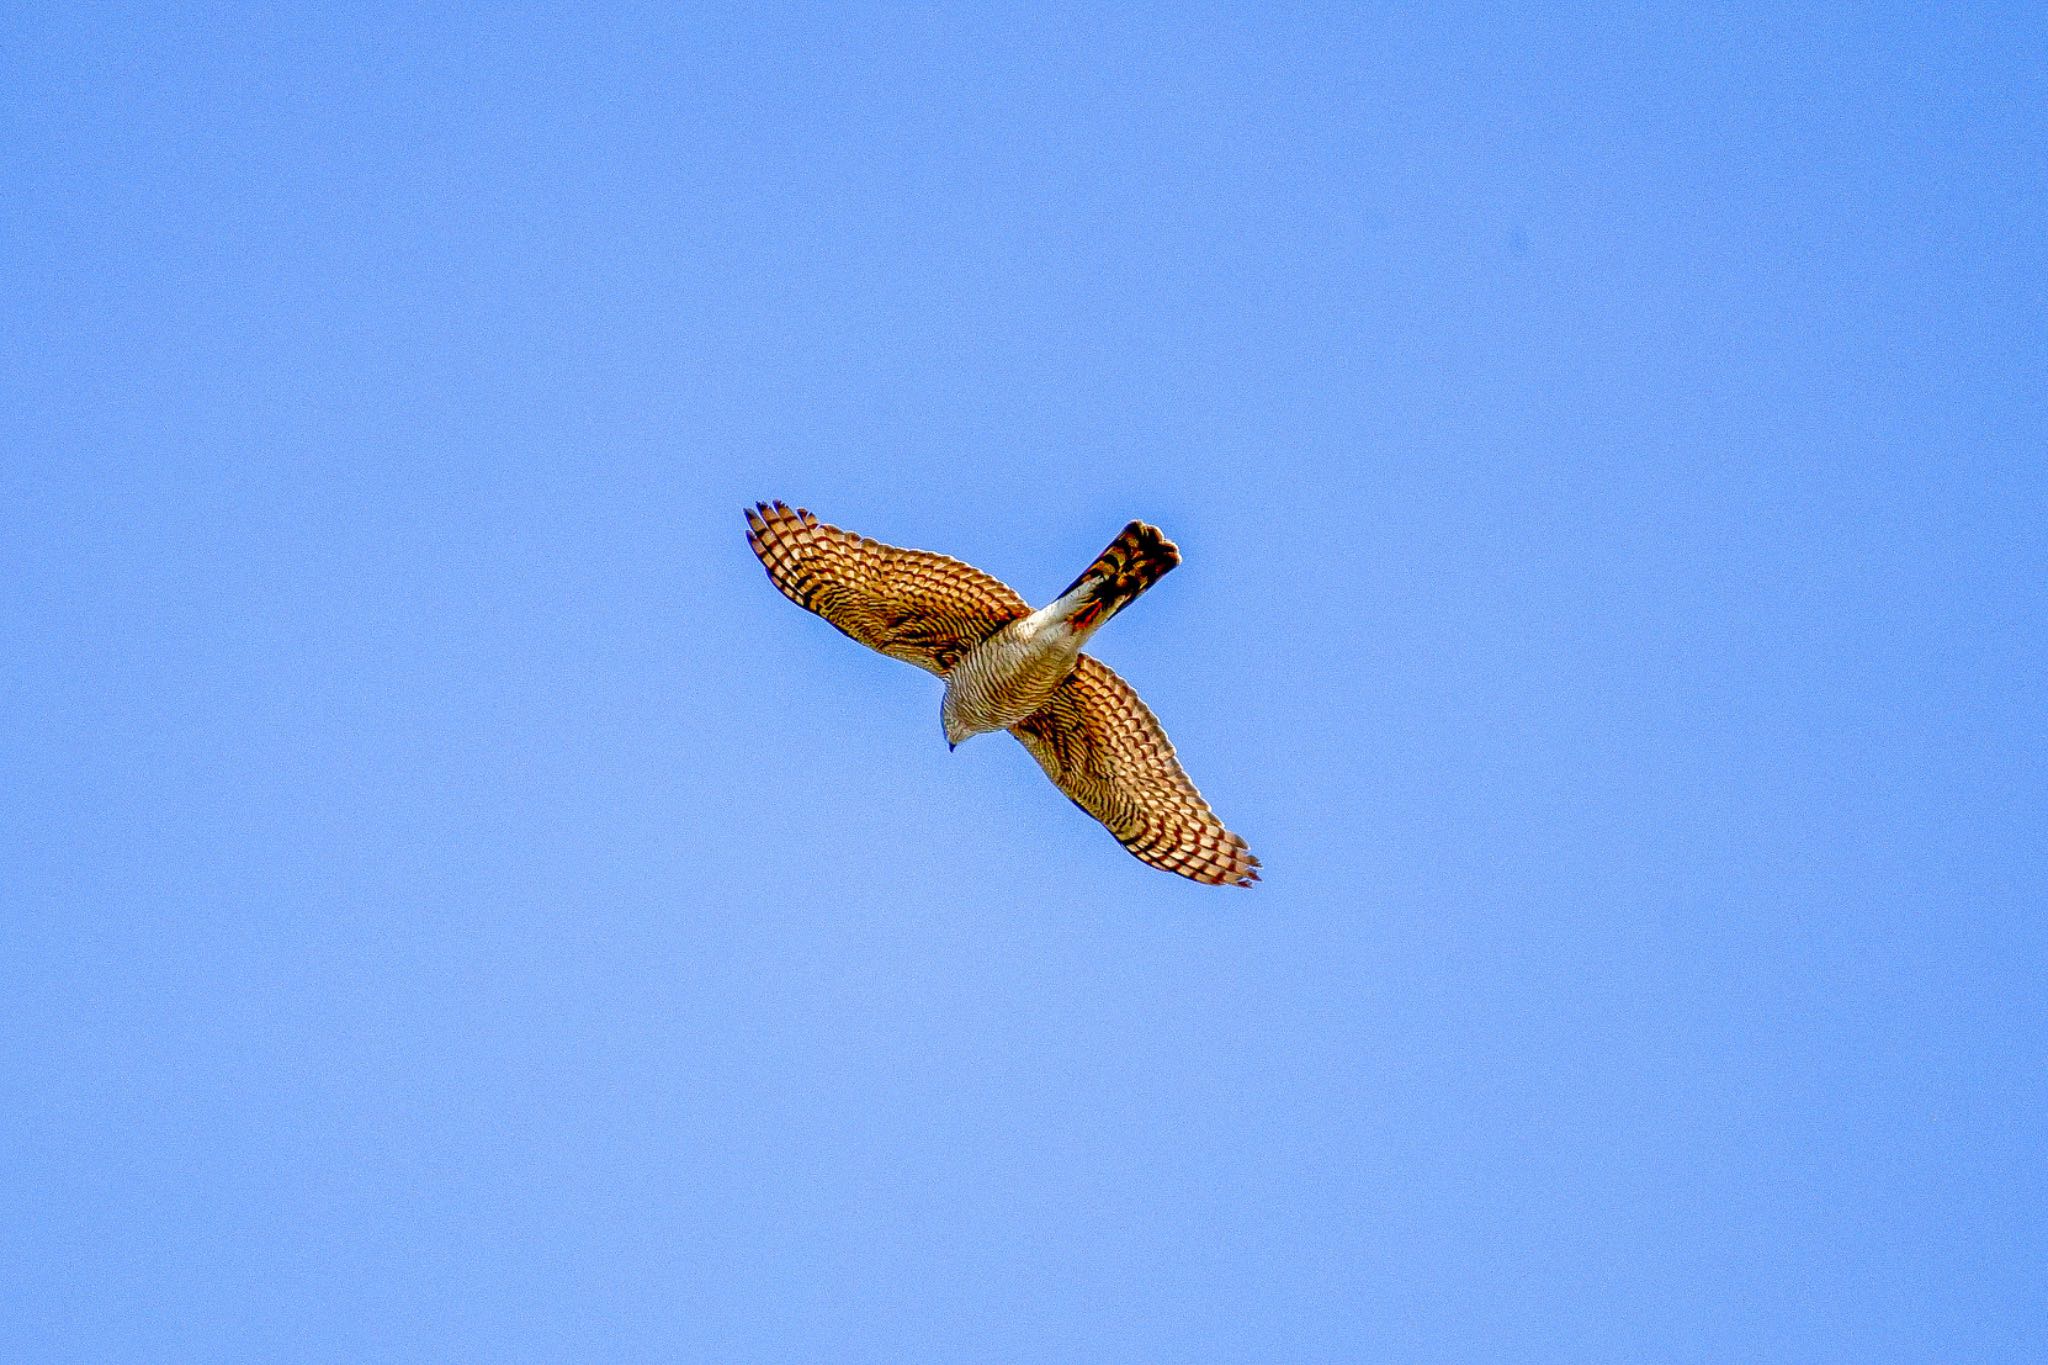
(1009, 676)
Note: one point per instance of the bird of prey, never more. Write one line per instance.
(1008, 667)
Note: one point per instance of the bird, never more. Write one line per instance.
(1008, 667)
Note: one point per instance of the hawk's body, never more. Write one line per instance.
(1009, 676)
(1013, 674)
(1008, 667)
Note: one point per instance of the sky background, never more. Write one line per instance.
(451, 907)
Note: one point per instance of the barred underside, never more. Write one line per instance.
(923, 608)
(1105, 749)
(1004, 679)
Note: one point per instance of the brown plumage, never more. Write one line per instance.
(1105, 749)
(1008, 667)
(912, 605)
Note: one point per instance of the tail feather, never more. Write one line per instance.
(1139, 557)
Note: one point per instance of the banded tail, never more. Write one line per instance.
(1139, 557)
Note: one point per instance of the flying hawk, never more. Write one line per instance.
(1008, 667)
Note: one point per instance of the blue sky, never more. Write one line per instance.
(452, 907)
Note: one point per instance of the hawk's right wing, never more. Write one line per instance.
(924, 608)
(1104, 748)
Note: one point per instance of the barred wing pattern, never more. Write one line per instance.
(923, 608)
(1105, 749)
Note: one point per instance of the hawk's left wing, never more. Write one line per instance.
(924, 608)
(1104, 748)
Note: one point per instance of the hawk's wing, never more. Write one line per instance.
(913, 605)
(1104, 748)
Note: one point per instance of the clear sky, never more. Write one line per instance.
(452, 908)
